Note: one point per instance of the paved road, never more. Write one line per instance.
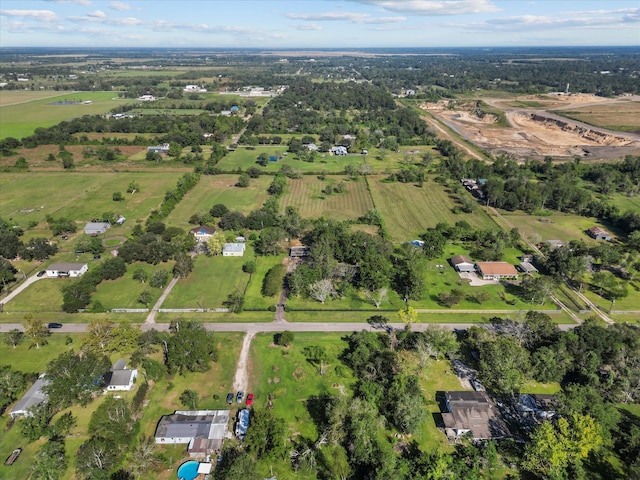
(274, 327)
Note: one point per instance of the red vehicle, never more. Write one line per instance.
(250, 399)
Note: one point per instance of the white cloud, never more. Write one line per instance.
(433, 7)
(86, 3)
(306, 26)
(344, 17)
(41, 15)
(121, 6)
(535, 22)
(97, 14)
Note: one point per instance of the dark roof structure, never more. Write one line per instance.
(474, 412)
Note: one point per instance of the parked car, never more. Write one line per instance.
(54, 325)
(41, 273)
(229, 398)
(250, 399)
(239, 396)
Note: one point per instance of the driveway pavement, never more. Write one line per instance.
(475, 280)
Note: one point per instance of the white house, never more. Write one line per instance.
(161, 149)
(202, 233)
(147, 98)
(34, 397)
(202, 430)
(120, 378)
(233, 249)
(57, 270)
(339, 150)
(96, 228)
(496, 270)
(194, 89)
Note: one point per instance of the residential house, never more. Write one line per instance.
(120, 378)
(496, 270)
(34, 397)
(540, 406)
(147, 98)
(233, 249)
(599, 233)
(527, 267)
(462, 263)
(96, 228)
(299, 251)
(339, 150)
(194, 89)
(472, 412)
(202, 233)
(161, 149)
(57, 270)
(312, 147)
(202, 430)
(553, 244)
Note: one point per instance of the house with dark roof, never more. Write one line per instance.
(203, 431)
(496, 270)
(57, 270)
(34, 397)
(120, 378)
(462, 263)
(599, 233)
(472, 412)
(202, 233)
(299, 251)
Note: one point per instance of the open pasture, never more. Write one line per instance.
(306, 195)
(407, 210)
(621, 115)
(212, 280)
(214, 189)
(13, 97)
(558, 226)
(29, 197)
(21, 120)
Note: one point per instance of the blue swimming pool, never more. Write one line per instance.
(188, 470)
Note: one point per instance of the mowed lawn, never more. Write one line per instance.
(22, 119)
(214, 189)
(408, 210)
(306, 195)
(558, 226)
(29, 197)
(45, 295)
(212, 280)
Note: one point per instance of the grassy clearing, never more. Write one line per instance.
(42, 296)
(213, 189)
(557, 226)
(625, 203)
(10, 97)
(536, 387)
(253, 295)
(630, 302)
(408, 210)
(623, 116)
(21, 120)
(26, 198)
(212, 280)
(306, 195)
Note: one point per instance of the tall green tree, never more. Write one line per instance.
(190, 347)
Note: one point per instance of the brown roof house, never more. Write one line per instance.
(599, 234)
(472, 413)
(462, 263)
(496, 270)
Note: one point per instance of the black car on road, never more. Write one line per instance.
(229, 398)
(54, 325)
(41, 273)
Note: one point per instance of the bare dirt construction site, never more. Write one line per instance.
(537, 129)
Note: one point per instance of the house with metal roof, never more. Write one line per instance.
(34, 397)
(462, 263)
(233, 249)
(56, 270)
(203, 431)
(471, 412)
(120, 378)
(96, 228)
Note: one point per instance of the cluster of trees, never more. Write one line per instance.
(321, 108)
(76, 295)
(173, 196)
(11, 246)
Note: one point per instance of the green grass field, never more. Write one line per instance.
(306, 195)
(21, 120)
(212, 279)
(557, 226)
(29, 197)
(253, 296)
(213, 189)
(409, 210)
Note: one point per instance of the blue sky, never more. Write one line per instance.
(318, 23)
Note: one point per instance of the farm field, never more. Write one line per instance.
(214, 189)
(557, 226)
(623, 115)
(306, 195)
(29, 197)
(212, 279)
(11, 97)
(408, 210)
(21, 120)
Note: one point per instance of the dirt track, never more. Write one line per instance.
(537, 132)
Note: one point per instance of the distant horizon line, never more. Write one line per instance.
(475, 47)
